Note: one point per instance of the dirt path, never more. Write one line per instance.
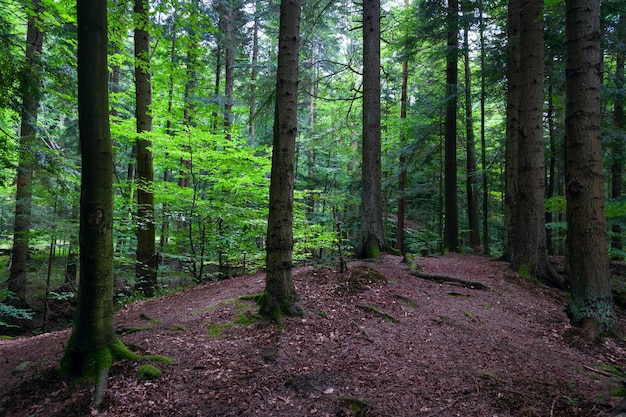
(376, 341)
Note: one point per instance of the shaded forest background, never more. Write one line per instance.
(213, 72)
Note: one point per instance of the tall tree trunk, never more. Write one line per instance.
(530, 249)
(451, 224)
(94, 345)
(280, 293)
(591, 301)
(483, 142)
(372, 237)
(216, 90)
(28, 130)
(146, 262)
(471, 184)
(254, 71)
(513, 95)
(402, 177)
(229, 65)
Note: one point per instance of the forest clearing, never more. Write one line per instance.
(375, 341)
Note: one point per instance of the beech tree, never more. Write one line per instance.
(591, 301)
(93, 344)
(280, 293)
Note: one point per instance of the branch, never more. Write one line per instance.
(451, 281)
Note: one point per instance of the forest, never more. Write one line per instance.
(154, 145)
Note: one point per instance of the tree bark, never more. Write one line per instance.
(280, 293)
(372, 237)
(146, 262)
(451, 223)
(94, 345)
(471, 184)
(591, 300)
(28, 131)
(512, 123)
(530, 254)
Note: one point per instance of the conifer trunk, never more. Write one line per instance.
(591, 301)
(280, 293)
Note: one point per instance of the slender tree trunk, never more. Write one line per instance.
(514, 93)
(280, 293)
(216, 90)
(94, 345)
(471, 184)
(254, 70)
(530, 248)
(372, 237)
(591, 301)
(483, 142)
(229, 65)
(28, 131)
(402, 177)
(146, 262)
(451, 224)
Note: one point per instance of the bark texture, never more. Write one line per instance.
(530, 254)
(280, 293)
(451, 224)
(587, 249)
(94, 345)
(28, 130)
(372, 237)
(146, 263)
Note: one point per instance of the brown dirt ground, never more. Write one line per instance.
(376, 341)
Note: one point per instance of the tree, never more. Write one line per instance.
(451, 225)
(93, 344)
(146, 262)
(372, 236)
(591, 302)
(280, 293)
(530, 254)
(28, 130)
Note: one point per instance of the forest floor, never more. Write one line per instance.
(375, 341)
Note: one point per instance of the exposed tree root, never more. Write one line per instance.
(451, 280)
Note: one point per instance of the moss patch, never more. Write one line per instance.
(148, 372)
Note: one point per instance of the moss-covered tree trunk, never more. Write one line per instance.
(93, 344)
(280, 294)
(372, 236)
(591, 301)
(28, 130)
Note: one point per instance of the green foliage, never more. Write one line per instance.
(11, 313)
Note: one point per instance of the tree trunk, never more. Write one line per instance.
(146, 262)
(372, 237)
(254, 71)
(530, 255)
(591, 301)
(280, 293)
(471, 184)
(402, 177)
(28, 130)
(451, 224)
(229, 65)
(483, 142)
(94, 345)
(512, 122)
